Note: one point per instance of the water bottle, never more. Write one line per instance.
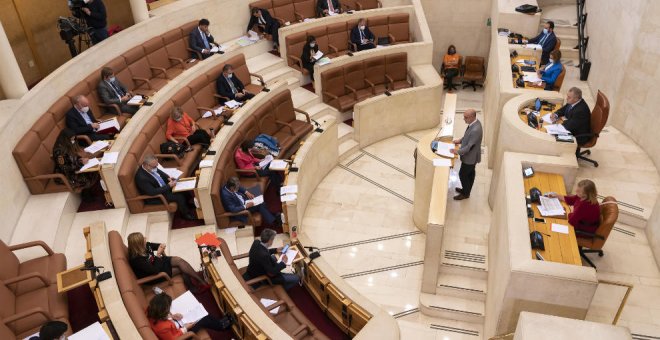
(157, 290)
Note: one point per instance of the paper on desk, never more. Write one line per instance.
(441, 162)
(289, 189)
(92, 332)
(532, 79)
(534, 46)
(244, 41)
(110, 158)
(277, 164)
(207, 114)
(188, 306)
(92, 162)
(172, 172)
(218, 111)
(185, 185)
(529, 74)
(252, 35)
(232, 104)
(444, 149)
(324, 61)
(307, 20)
(332, 13)
(560, 228)
(264, 162)
(547, 118)
(97, 146)
(550, 207)
(256, 200)
(290, 255)
(135, 100)
(109, 124)
(288, 198)
(206, 163)
(215, 49)
(557, 129)
(318, 55)
(267, 303)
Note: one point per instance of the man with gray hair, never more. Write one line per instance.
(81, 120)
(470, 152)
(577, 116)
(263, 262)
(152, 181)
(235, 198)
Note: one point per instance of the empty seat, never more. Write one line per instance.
(158, 58)
(337, 39)
(177, 49)
(374, 74)
(48, 266)
(304, 9)
(283, 11)
(141, 72)
(334, 91)
(396, 71)
(354, 81)
(367, 4)
(474, 72)
(399, 31)
(378, 26)
(294, 47)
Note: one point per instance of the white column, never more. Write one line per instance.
(11, 79)
(140, 10)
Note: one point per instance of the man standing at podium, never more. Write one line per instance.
(470, 152)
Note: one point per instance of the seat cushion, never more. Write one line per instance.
(176, 289)
(48, 266)
(397, 85)
(346, 102)
(253, 88)
(207, 123)
(47, 299)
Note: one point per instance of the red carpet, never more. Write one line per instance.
(314, 313)
(207, 300)
(82, 308)
(309, 87)
(349, 122)
(95, 201)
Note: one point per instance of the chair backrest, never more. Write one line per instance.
(333, 83)
(609, 214)
(374, 70)
(378, 26)
(305, 8)
(560, 78)
(474, 65)
(558, 44)
(599, 116)
(294, 47)
(354, 75)
(367, 4)
(396, 66)
(398, 27)
(284, 10)
(321, 35)
(8, 261)
(263, 4)
(337, 36)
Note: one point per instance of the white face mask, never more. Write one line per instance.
(85, 109)
(545, 31)
(312, 44)
(112, 79)
(362, 28)
(552, 61)
(230, 75)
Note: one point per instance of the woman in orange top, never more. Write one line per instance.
(450, 65)
(182, 129)
(168, 326)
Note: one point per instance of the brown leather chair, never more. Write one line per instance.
(304, 9)
(47, 266)
(594, 242)
(558, 44)
(294, 47)
(159, 60)
(396, 71)
(348, 5)
(475, 71)
(367, 4)
(124, 75)
(290, 131)
(284, 11)
(560, 79)
(374, 74)
(337, 39)
(141, 72)
(354, 81)
(321, 35)
(599, 116)
(334, 91)
(98, 110)
(398, 28)
(263, 4)
(378, 26)
(177, 50)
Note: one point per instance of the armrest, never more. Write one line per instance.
(298, 16)
(188, 335)
(300, 329)
(279, 122)
(297, 60)
(333, 49)
(277, 304)
(359, 6)
(168, 156)
(50, 176)
(115, 107)
(258, 278)
(24, 277)
(159, 70)
(392, 39)
(380, 4)
(261, 79)
(221, 97)
(146, 197)
(27, 313)
(373, 86)
(151, 278)
(248, 171)
(352, 90)
(242, 256)
(242, 212)
(303, 112)
(389, 79)
(330, 95)
(588, 234)
(30, 244)
(352, 46)
(179, 61)
(143, 80)
(84, 138)
(198, 53)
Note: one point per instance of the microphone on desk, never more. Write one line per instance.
(92, 268)
(318, 126)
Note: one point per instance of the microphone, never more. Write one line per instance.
(318, 126)
(92, 268)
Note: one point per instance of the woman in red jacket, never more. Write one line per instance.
(586, 210)
(182, 129)
(168, 326)
(246, 160)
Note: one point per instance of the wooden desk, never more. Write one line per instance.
(558, 247)
(544, 110)
(73, 278)
(528, 85)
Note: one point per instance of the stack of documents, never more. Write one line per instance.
(547, 118)
(232, 104)
(557, 129)
(90, 164)
(110, 158)
(278, 164)
(252, 35)
(290, 255)
(97, 146)
(256, 200)
(110, 125)
(92, 332)
(532, 78)
(206, 163)
(184, 185)
(443, 149)
(135, 100)
(534, 46)
(324, 61)
(267, 303)
(288, 193)
(188, 306)
(551, 207)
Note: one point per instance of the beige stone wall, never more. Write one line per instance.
(532, 326)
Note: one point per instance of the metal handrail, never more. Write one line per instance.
(501, 336)
(629, 288)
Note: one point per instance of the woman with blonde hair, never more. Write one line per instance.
(586, 210)
(145, 263)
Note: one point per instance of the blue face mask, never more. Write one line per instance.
(545, 31)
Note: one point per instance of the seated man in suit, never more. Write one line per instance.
(81, 120)
(327, 7)
(547, 40)
(263, 262)
(152, 181)
(551, 71)
(112, 91)
(577, 115)
(201, 40)
(262, 22)
(362, 37)
(229, 86)
(234, 199)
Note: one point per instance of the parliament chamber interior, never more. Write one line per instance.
(330, 169)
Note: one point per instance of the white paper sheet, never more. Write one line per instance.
(532, 79)
(256, 200)
(185, 185)
(318, 55)
(550, 207)
(268, 302)
(135, 100)
(290, 255)
(534, 46)
(172, 172)
(252, 35)
(443, 149)
(288, 197)
(215, 49)
(324, 61)
(547, 118)
(441, 162)
(560, 228)
(264, 162)
(110, 158)
(188, 306)
(244, 41)
(90, 164)
(206, 163)
(289, 189)
(277, 164)
(232, 104)
(218, 111)
(207, 114)
(108, 124)
(556, 129)
(92, 332)
(97, 146)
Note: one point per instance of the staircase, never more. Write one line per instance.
(565, 19)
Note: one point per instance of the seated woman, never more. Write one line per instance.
(182, 129)
(450, 67)
(551, 71)
(69, 158)
(586, 211)
(144, 263)
(245, 160)
(168, 326)
(308, 60)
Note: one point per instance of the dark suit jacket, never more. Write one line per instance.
(108, 94)
(355, 35)
(548, 44)
(148, 185)
(322, 5)
(223, 88)
(76, 122)
(267, 17)
(196, 42)
(578, 120)
(262, 262)
(147, 265)
(307, 53)
(231, 203)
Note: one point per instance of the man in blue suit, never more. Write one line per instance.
(547, 40)
(551, 71)
(234, 198)
(201, 40)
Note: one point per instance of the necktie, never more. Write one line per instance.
(330, 7)
(261, 20)
(161, 182)
(361, 35)
(206, 42)
(117, 89)
(231, 85)
(543, 39)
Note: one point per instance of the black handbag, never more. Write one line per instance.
(170, 147)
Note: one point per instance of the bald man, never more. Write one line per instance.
(81, 120)
(470, 152)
